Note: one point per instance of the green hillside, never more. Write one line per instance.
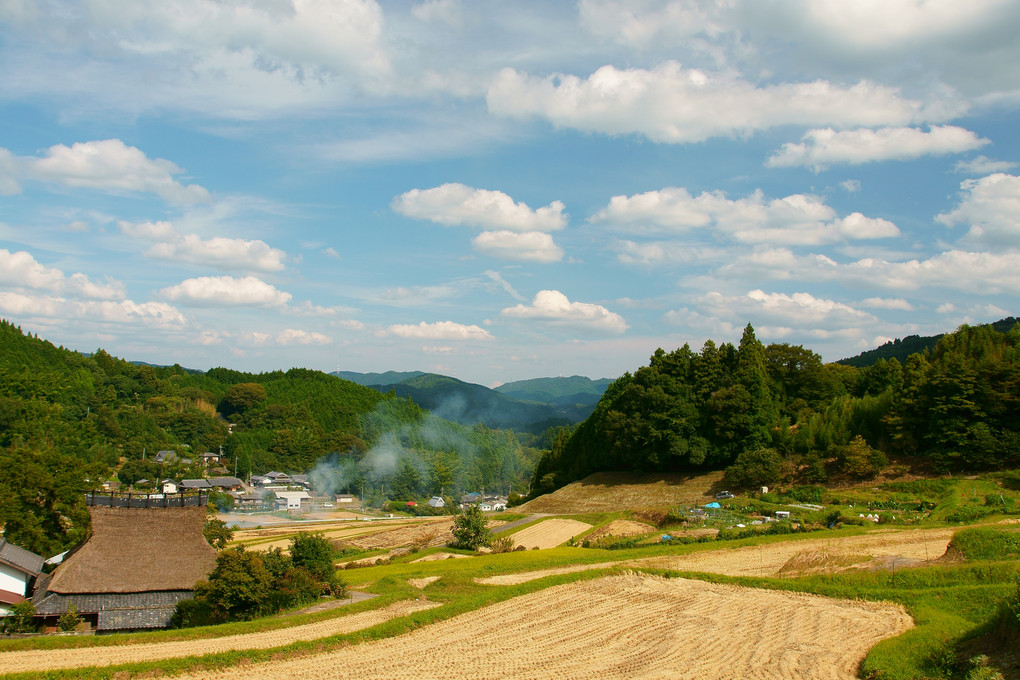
(776, 413)
(69, 421)
(901, 348)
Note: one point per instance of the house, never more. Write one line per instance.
(226, 483)
(292, 500)
(258, 480)
(169, 486)
(144, 556)
(18, 569)
(210, 458)
(165, 456)
(278, 477)
(437, 502)
(301, 480)
(195, 485)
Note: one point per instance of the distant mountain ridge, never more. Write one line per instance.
(524, 406)
(901, 348)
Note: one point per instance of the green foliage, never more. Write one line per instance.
(217, 533)
(860, 461)
(987, 543)
(757, 467)
(469, 530)
(241, 397)
(314, 552)
(69, 620)
(20, 620)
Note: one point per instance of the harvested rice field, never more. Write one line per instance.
(549, 533)
(40, 660)
(621, 527)
(626, 626)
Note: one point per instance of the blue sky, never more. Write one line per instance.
(504, 190)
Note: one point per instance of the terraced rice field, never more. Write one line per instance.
(549, 533)
(49, 659)
(611, 491)
(627, 626)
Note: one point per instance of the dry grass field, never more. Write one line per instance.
(621, 527)
(613, 491)
(42, 660)
(549, 533)
(627, 626)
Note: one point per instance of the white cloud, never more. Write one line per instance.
(554, 307)
(226, 291)
(10, 171)
(532, 246)
(800, 310)
(991, 206)
(457, 204)
(674, 105)
(21, 270)
(798, 219)
(331, 252)
(446, 11)
(112, 166)
(292, 336)
(887, 303)
(440, 330)
(821, 148)
(983, 165)
(157, 314)
(232, 254)
(851, 186)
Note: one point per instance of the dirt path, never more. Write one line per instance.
(627, 626)
(52, 659)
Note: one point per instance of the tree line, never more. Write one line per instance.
(780, 408)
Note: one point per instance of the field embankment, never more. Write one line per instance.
(615, 491)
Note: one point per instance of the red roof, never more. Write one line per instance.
(410, 503)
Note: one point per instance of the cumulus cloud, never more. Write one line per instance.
(887, 303)
(232, 254)
(991, 207)
(821, 148)
(674, 105)
(983, 165)
(555, 308)
(800, 310)
(457, 204)
(531, 246)
(158, 314)
(21, 270)
(798, 219)
(440, 330)
(226, 291)
(293, 336)
(112, 166)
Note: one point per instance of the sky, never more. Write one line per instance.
(504, 190)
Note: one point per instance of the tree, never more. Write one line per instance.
(469, 529)
(756, 467)
(859, 460)
(241, 397)
(314, 552)
(237, 587)
(217, 533)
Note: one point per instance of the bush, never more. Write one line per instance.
(502, 544)
(20, 620)
(758, 467)
(469, 530)
(69, 620)
(859, 460)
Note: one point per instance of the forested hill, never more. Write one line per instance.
(533, 407)
(780, 410)
(901, 348)
(68, 421)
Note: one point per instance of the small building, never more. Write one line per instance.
(347, 501)
(165, 456)
(18, 570)
(195, 485)
(292, 500)
(437, 502)
(169, 486)
(210, 458)
(782, 514)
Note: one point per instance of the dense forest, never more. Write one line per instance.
(70, 421)
(776, 412)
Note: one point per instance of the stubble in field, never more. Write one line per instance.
(627, 626)
(549, 533)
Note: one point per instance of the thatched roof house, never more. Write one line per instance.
(136, 566)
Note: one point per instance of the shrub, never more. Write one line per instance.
(757, 467)
(69, 620)
(502, 544)
(469, 530)
(21, 619)
(859, 460)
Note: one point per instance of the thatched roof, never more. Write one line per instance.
(134, 550)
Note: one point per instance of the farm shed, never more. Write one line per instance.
(143, 557)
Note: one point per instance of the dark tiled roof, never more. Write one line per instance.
(225, 482)
(195, 484)
(54, 604)
(19, 558)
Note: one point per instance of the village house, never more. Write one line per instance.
(226, 483)
(18, 569)
(292, 500)
(437, 502)
(144, 556)
(347, 501)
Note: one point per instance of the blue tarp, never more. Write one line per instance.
(713, 505)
